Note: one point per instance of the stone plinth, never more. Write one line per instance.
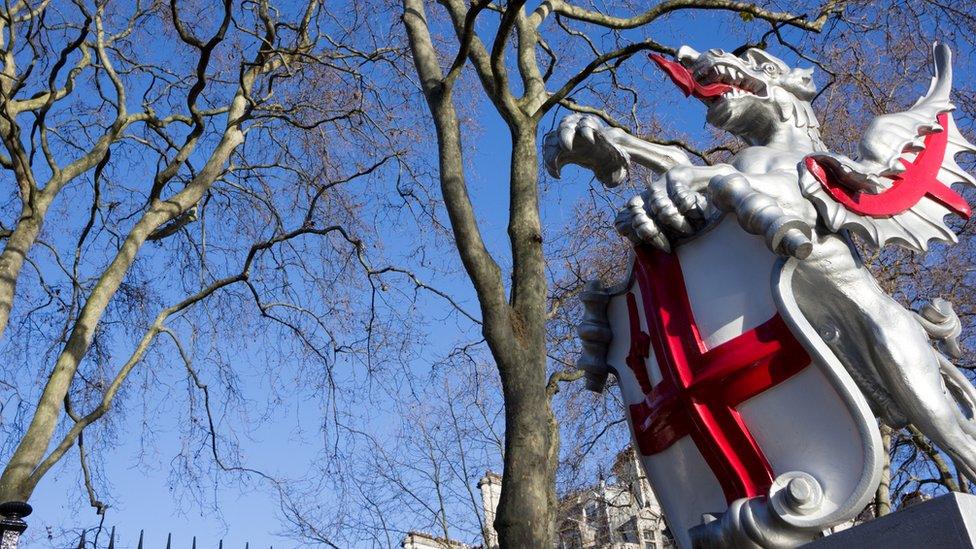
(946, 522)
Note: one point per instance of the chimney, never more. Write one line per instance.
(491, 491)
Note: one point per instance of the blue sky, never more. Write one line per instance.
(285, 441)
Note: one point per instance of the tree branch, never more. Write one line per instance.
(577, 13)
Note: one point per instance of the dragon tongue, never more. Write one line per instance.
(686, 82)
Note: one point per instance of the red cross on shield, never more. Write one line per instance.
(725, 385)
(701, 387)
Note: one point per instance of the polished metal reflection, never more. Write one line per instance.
(900, 359)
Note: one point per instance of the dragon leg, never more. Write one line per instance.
(760, 214)
(880, 337)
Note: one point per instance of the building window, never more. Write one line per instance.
(628, 531)
(590, 510)
(650, 539)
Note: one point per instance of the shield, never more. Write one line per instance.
(729, 391)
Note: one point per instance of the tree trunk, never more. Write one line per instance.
(882, 497)
(20, 475)
(526, 514)
(526, 510)
(514, 330)
(16, 481)
(513, 324)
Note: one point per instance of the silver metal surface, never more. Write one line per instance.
(595, 333)
(882, 147)
(766, 522)
(899, 359)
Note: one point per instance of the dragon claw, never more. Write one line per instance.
(567, 133)
(586, 132)
(668, 212)
(618, 176)
(585, 140)
(633, 223)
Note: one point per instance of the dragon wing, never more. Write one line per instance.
(899, 188)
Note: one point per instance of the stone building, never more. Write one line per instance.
(423, 540)
(620, 513)
(490, 486)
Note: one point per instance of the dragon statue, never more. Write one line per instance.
(806, 202)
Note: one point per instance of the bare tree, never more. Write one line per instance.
(422, 476)
(513, 305)
(167, 155)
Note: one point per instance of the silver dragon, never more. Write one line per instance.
(805, 202)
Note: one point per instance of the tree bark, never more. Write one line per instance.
(526, 515)
(526, 510)
(882, 497)
(12, 258)
(513, 326)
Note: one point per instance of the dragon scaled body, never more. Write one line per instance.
(804, 201)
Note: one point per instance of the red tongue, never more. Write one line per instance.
(684, 80)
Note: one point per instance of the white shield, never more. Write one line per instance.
(728, 387)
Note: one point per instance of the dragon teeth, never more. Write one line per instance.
(728, 75)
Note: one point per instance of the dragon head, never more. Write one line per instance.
(747, 95)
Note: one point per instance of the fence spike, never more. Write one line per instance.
(169, 540)
(194, 542)
(111, 539)
(81, 542)
(140, 539)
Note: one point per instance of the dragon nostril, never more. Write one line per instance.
(716, 52)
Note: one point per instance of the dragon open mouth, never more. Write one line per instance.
(720, 80)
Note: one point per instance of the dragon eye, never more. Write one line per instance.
(770, 68)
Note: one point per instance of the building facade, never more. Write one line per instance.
(621, 513)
